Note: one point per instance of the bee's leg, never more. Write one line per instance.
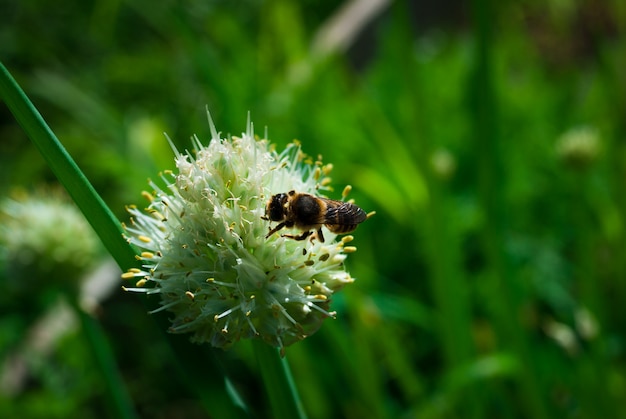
(275, 229)
(320, 235)
(300, 237)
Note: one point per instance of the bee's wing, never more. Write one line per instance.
(343, 213)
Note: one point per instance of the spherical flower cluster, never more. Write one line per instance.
(204, 250)
(47, 243)
(579, 147)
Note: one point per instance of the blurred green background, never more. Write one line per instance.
(489, 137)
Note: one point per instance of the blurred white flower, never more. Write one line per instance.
(443, 163)
(563, 335)
(46, 241)
(579, 147)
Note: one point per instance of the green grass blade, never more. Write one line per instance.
(66, 170)
(492, 183)
(95, 210)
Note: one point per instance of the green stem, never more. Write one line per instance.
(451, 294)
(278, 382)
(503, 302)
(103, 356)
(66, 170)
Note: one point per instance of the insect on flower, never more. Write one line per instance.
(309, 213)
(202, 246)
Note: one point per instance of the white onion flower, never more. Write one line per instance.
(46, 241)
(204, 251)
(579, 147)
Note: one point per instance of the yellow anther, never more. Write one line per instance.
(347, 239)
(346, 191)
(147, 195)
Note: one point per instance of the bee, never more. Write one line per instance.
(309, 213)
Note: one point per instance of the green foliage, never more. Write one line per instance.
(489, 285)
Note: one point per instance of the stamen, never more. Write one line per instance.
(147, 195)
(345, 192)
(128, 275)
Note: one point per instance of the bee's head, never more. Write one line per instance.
(275, 209)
